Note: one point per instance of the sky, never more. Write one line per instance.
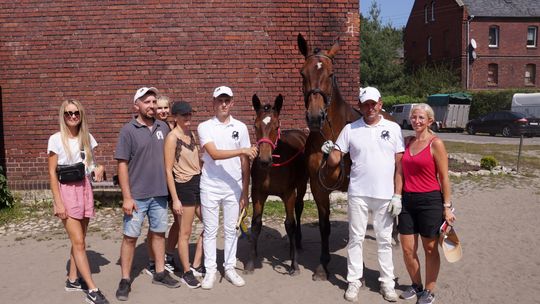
(395, 12)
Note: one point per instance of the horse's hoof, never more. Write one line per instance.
(320, 274)
(294, 272)
(249, 268)
(248, 272)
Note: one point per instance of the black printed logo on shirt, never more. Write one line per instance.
(385, 134)
(235, 135)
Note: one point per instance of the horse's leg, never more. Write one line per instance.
(298, 209)
(323, 206)
(289, 199)
(256, 225)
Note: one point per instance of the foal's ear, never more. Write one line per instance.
(256, 102)
(278, 103)
(302, 45)
(334, 49)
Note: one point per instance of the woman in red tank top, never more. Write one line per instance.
(426, 202)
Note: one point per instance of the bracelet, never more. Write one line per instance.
(448, 205)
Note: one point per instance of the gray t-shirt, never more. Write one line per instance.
(142, 148)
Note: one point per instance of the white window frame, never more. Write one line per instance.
(534, 30)
(496, 28)
(426, 13)
(495, 74)
(432, 10)
(429, 46)
(530, 75)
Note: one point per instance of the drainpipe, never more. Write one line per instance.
(469, 19)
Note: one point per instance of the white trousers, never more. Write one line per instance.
(210, 215)
(358, 208)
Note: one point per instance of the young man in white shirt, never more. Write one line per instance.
(376, 148)
(225, 180)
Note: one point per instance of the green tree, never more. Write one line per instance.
(380, 46)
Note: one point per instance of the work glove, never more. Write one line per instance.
(327, 147)
(394, 207)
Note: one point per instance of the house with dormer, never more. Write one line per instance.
(492, 44)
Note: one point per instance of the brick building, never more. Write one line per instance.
(101, 52)
(493, 44)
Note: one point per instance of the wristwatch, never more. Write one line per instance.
(447, 205)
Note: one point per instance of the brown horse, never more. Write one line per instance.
(326, 115)
(279, 169)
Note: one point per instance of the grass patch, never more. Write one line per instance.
(276, 209)
(20, 211)
(506, 154)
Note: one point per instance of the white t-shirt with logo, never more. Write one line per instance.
(372, 149)
(224, 174)
(55, 145)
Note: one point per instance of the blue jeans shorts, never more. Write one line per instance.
(155, 208)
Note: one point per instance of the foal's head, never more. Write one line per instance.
(318, 82)
(267, 127)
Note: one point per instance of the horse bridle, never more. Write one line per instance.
(327, 98)
(274, 144)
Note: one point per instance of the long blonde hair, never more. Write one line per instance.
(83, 134)
(429, 111)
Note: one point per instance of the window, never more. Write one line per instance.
(432, 10)
(532, 32)
(494, 36)
(429, 46)
(425, 14)
(493, 74)
(530, 74)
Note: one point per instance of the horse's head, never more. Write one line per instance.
(267, 127)
(318, 82)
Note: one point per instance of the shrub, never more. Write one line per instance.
(6, 198)
(488, 162)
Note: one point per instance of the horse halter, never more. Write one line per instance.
(326, 97)
(273, 144)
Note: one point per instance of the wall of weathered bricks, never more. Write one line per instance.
(100, 52)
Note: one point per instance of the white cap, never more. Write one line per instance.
(369, 93)
(223, 90)
(142, 91)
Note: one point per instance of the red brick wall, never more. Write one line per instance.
(449, 44)
(101, 52)
(511, 56)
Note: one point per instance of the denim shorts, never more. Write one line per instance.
(155, 208)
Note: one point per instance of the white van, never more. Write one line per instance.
(528, 104)
(401, 114)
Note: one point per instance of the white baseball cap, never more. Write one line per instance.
(222, 90)
(369, 93)
(142, 91)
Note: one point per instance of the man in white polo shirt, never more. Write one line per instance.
(224, 180)
(376, 148)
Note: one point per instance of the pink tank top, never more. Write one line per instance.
(419, 171)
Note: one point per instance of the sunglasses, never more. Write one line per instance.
(69, 114)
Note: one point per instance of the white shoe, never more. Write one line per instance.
(351, 294)
(208, 281)
(234, 278)
(389, 294)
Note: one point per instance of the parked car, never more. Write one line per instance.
(401, 114)
(507, 123)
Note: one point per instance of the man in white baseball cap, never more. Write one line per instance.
(143, 91)
(376, 148)
(224, 181)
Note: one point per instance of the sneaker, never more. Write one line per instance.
(170, 265)
(77, 285)
(351, 294)
(189, 279)
(208, 282)
(411, 292)
(165, 279)
(96, 297)
(426, 297)
(389, 294)
(198, 271)
(234, 278)
(124, 287)
(150, 269)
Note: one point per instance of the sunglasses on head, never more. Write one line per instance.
(69, 114)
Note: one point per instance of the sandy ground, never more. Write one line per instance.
(498, 226)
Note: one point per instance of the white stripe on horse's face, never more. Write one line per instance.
(266, 120)
(319, 65)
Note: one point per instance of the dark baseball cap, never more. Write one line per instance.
(181, 107)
